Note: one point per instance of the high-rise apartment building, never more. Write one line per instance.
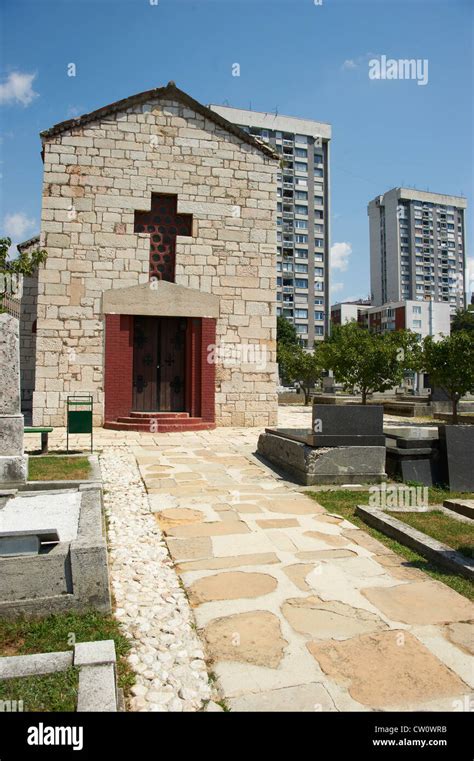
(417, 247)
(303, 215)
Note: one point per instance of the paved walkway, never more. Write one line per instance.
(298, 609)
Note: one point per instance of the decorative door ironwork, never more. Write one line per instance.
(159, 365)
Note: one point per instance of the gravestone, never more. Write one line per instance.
(345, 445)
(348, 425)
(13, 462)
(456, 443)
(413, 454)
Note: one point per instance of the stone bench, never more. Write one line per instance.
(44, 436)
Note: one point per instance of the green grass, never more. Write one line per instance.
(52, 692)
(343, 502)
(454, 533)
(58, 633)
(54, 468)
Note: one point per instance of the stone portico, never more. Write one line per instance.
(159, 221)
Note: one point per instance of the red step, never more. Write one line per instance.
(175, 426)
(161, 415)
(157, 420)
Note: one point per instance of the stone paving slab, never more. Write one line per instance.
(297, 608)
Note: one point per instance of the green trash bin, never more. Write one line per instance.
(79, 415)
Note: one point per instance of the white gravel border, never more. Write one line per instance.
(154, 612)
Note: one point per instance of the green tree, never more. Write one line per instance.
(286, 332)
(25, 264)
(463, 320)
(450, 365)
(369, 361)
(300, 366)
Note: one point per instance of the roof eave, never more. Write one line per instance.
(170, 90)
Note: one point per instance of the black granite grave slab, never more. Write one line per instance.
(306, 436)
(456, 444)
(347, 425)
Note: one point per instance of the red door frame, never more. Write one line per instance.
(200, 367)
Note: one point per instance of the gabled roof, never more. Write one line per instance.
(172, 92)
(27, 243)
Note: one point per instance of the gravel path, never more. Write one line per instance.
(154, 612)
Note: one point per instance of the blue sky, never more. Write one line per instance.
(296, 56)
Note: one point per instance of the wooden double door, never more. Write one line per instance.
(159, 364)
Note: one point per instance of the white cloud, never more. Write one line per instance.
(354, 63)
(18, 88)
(340, 253)
(17, 226)
(336, 287)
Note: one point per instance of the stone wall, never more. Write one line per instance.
(28, 315)
(95, 177)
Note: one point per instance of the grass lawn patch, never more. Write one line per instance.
(51, 692)
(54, 468)
(458, 535)
(344, 502)
(58, 633)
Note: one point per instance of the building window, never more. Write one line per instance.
(301, 313)
(417, 323)
(301, 195)
(299, 238)
(416, 310)
(318, 242)
(301, 268)
(301, 328)
(301, 223)
(318, 200)
(301, 152)
(318, 330)
(301, 209)
(319, 315)
(301, 282)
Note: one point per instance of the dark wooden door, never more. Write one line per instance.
(171, 361)
(145, 362)
(159, 364)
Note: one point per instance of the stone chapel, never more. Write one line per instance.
(158, 296)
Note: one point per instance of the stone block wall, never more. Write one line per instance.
(95, 177)
(28, 317)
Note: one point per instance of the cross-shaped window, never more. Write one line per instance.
(163, 224)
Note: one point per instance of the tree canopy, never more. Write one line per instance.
(25, 264)
(300, 366)
(369, 362)
(463, 320)
(450, 365)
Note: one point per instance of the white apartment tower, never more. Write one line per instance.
(417, 247)
(303, 210)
